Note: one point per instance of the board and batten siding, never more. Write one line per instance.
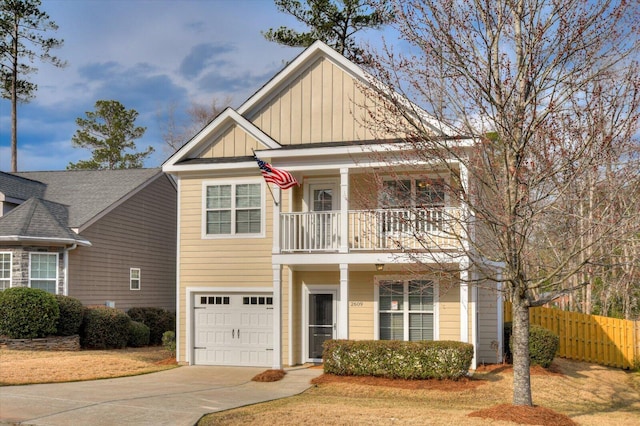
(323, 104)
(139, 233)
(233, 142)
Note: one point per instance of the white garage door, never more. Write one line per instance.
(233, 329)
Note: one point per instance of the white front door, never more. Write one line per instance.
(233, 329)
(323, 201)
(321, 321)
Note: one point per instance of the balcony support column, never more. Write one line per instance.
(277, 316)
(464, 301)
(344, 210)
(343, 302)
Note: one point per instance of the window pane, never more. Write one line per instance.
(420, 326)
(219, 197)
(391, 296)
(396, 193)
(248, 195)
(248, 221)
(219, 222)
(430, 192)
(48, 286)
(43, 266)
(391, 327)
(420, 295)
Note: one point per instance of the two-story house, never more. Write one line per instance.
(266, 275)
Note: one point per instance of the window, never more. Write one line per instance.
(43, 271)
(412, 205)
(406, 310)
(5, 270)
(134, 279)
(233, 209)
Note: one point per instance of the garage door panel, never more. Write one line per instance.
(233, 329)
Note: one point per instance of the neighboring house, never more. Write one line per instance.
(105, 237)
(265, 284)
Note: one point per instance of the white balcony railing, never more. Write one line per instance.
(371, 230)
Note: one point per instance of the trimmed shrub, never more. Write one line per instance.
(158, 320)
(169, 342)
(543, 344)
(398, 359)
(138, 335)
(70, 319)
(104, 328)
(27, 313)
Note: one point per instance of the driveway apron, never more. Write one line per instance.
(180, 396)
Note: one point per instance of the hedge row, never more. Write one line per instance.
(398, 359)
(27, 313)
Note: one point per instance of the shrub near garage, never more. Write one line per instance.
(398, 359)
(70, 319)
(138, 335)
(104, 328)
(158, 320)
(27, 313)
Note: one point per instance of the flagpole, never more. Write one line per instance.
(268, 186)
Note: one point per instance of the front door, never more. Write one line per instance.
(323, 202)
(321, 322)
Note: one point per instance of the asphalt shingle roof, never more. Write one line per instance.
(89, 192)
(20, 188)
(39, 219)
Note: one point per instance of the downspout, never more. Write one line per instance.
(66, 268)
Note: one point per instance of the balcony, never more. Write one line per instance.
(370, 230)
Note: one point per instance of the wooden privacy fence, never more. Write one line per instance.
(590, 338)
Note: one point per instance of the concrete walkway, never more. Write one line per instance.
(180, 396)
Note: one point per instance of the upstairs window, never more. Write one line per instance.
(233, 209)
(412, 205)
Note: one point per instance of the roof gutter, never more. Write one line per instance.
(65, 290)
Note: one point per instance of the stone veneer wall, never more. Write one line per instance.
(20, 264)
(53, 343)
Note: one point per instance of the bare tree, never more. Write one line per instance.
(176, 133)
(523, 80)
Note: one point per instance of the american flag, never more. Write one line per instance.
(282, 178)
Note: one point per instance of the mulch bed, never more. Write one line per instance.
(524, 415)
(442, 385)
(269, 376)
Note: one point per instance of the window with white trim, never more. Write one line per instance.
(406, 310)
(43, 271)
(233, 209)
(5, 270)
(134, 279)
(412, 205)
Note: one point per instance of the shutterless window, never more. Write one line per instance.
(134, 279)
(5, 270)
(233, 209)
(43, 271)
(406, 310)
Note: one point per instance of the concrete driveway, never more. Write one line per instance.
(180, 396)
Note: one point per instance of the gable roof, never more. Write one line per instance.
(18, 188)
(89, 194)
(246, 115)
(39, 220)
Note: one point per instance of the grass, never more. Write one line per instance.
(27, 367)
(589, 394)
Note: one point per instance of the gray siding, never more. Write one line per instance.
(140, 233)
(487, 324)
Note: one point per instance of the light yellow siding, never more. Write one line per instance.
(224, 262)
(233, 142)
(361, 305)
(323, 104)
(449, 310)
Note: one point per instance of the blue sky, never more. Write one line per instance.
(146, 54)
